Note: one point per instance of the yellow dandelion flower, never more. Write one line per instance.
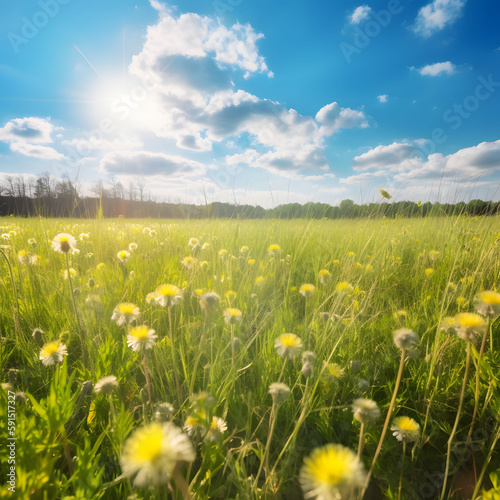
(232, 316)
(405, 429)
(251, 261)
(307, 290)
(167, 295)
(123, 255)
(274, 248)
(385, 194)
(141, 337)
(429, 272)
(152, 453)
(53, 352)
(324, 276)
(467, 325)
(288, 345)
(488, 303)
(343, 286)
(125, 313)
(332, 472)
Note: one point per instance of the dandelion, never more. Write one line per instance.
(163, 412)
(21, 255)
(343, 286)
(132, 247)
(141, 338)
(209, 302)
(38, 336)
(193, 243)
(405, 339)
(306, 290)
(365, 410)
(106, 385)
(385, 194)
(217, 427)
(334, 371)
(194, 424)
(222, 253)
(251, 262)
(32, 242)
(273, 248)
(244, 249)
(63, 243)
(167, 295)
(53, 353)
(448, 324)
(288, 345)
(188, 262)
(84, 236)
(232, 316)
(125, 313)
(152, 453)
(468, 325)
(324, 276)
(405, 429)
(429, 272)
(72, 272)
(33, 260)
(332, 472)
(205, 246)
(123, 255)
(488, 303)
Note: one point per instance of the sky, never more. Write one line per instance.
(255, 102)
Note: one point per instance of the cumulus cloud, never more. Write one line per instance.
(192, 60)
(332, 118)
(383, 98)
(31, 130)
(147, 163)
(360, 14)
(438, 69)
(480, 160)
(394, 157)
(36, 151)
(436, 15)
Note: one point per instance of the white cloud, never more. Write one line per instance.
(438, 69)
(36, 151)
(31, 130)
(332, 118)
(360, 14)
(394, 157)
(383, 98)
(146, 163)
(91, 144)
(436, 15)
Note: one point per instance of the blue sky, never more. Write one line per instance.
(255, 102)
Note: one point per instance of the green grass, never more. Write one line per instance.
(385, 273)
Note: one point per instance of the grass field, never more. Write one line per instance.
(209, 370)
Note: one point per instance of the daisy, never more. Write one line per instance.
(63, 243)
(288, 345)
(167, 295)
(53, 352)
(141, 338)
(125, 313)
(152, 453)
(332, 472)
(405, 429)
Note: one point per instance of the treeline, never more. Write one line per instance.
(61, 198)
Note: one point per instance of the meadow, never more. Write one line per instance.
(225, 359)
